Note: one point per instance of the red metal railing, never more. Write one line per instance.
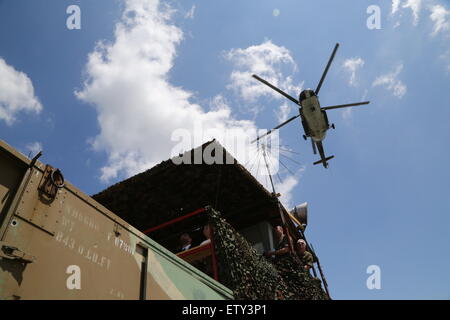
(168, 223)
(196, 250)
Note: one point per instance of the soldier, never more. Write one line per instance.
(305, 256)
(185, 241)
(282, 247)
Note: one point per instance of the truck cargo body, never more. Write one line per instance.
(71, 247)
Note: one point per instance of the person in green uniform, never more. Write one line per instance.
(305, 256)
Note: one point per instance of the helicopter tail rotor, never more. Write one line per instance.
(324, 161)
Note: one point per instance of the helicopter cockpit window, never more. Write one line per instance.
(302, 96)
(306, 94)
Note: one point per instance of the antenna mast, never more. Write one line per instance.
(280, 208)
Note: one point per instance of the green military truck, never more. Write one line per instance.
(58, 243)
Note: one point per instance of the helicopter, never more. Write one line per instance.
(314, 117)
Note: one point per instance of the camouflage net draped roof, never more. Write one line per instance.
(169, 191)
(252, 276)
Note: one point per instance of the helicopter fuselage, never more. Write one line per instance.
(314, 119)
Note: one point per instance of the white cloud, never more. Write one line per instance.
(439, 17)
(283, 112)
(190, 13)
(138, 108)
(16, 93)
(34, 147)
(286, 187)
(395, 6)
(352, 65)
(391, 83)
(267, 60)
(414, 5)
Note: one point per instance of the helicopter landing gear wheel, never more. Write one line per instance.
(304, 137)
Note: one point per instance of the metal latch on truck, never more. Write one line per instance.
(51, 182)
(13, 253)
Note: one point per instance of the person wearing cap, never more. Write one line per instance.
(305, 256)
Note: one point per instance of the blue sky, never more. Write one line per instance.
(104, 112)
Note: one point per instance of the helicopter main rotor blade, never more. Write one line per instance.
(326, 69)
(276, 89)
(277, 127)
(313, 146)
(346, 105)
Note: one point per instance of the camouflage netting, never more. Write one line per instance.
(252, 276)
